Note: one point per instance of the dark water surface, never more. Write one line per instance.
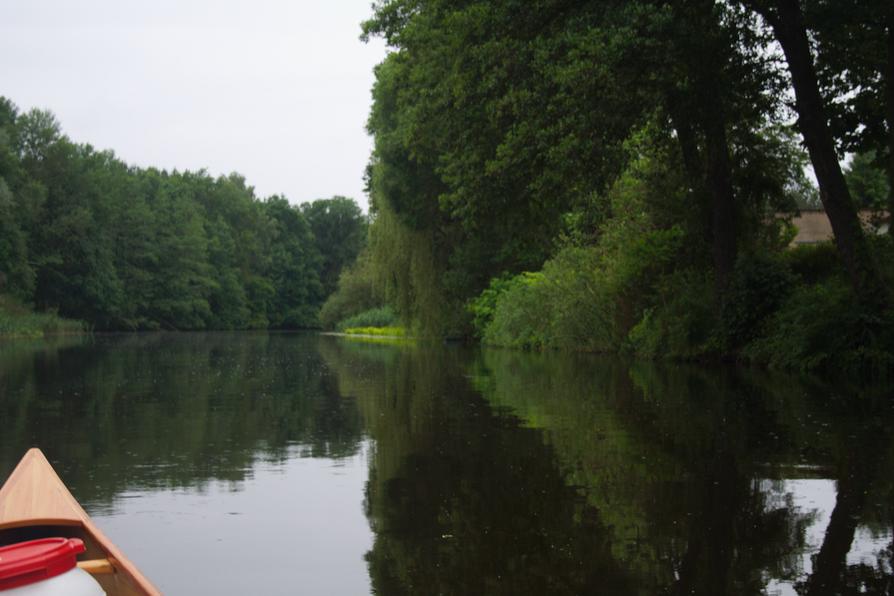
(301, 464)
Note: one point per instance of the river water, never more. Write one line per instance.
(240, 463)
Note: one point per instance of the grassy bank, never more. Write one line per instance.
(16, 320)
(375, 335)
(376, 331)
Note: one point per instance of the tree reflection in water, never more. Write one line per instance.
(156, 411)
(492, 472)
(507, 472)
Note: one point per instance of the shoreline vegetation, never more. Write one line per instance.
(377, 335)
(393, 332)
(18, 321)
(85, 236)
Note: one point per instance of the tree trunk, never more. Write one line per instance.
(788, 25)
(692, 163)
(706, 69)
(710, 174)
(723, 204)
(697, 106)
(857, 472)
(831, 561)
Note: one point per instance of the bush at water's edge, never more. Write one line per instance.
(17, 320)
(789, 310)
(374, 317)
(378, 331)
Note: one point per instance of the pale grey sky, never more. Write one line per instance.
(277, 90)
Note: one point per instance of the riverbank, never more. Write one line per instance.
(373, 334)
(790, 309)
(18, 321)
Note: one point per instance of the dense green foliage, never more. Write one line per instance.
(339, 229)
(355, 293)
(867, 181)
(854, 45)
(775, 315)
(374, 317)
(622, 175)
(89, 237)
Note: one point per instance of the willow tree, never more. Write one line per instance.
(404, 192)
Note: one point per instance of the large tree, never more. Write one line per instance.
(339, 231)
(787, 21)
(295, 266)
(854, 44)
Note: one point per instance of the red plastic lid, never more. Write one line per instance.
(36, 560)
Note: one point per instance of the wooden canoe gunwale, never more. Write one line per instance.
(24, 523)
(35, 498)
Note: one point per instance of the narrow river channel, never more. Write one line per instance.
(237, 463)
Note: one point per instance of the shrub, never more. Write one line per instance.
(558, 306)
(584, 311)
(16, 320)
(353, 295)
(585, 298)
(883, 251)
(812, 262)
(681, 323)
(484, 306)
(822, 326)
(521, 314)
(759, 284)
(374, 317)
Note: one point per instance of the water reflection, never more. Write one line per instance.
(462, 500)
(170, 410)
(458, 471)
(507, 472)
(697, 470)
(218, 462)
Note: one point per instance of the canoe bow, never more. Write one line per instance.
(34, 496)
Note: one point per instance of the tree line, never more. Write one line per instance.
(614, 175)
(85, 235)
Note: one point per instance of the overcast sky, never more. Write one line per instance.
(277, 90)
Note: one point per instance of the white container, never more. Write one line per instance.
(45, 567)
(74, 582)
